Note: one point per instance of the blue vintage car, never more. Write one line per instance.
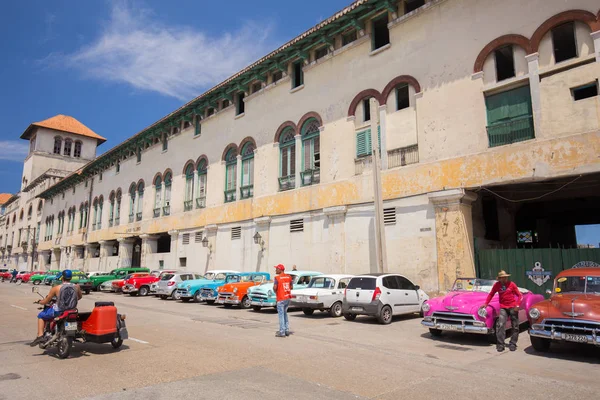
(48, 280)
(188, 290)
(263, 295)
(210, 291)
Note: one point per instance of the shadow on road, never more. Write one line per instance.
(460, 339)
(85, 350)
(569, 352)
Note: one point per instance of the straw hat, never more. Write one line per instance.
(503, 274)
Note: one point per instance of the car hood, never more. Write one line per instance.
(195, 283)
(239, 285)
(264, 288)
(585, 306)
(460, 302)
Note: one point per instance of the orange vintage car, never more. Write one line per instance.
(571, 314)
(237, 293)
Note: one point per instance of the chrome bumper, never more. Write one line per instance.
(228, 300)
(463, 328)
(129, 289)
(553, 335)
(262, 304)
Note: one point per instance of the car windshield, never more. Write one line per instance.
(578, 284)
(167, 277)
(127, 276)
(302, 280)
(233, 279)
(220, 277)
(209, 276)
(362, 283)
(473, 285)
(321, 283)
(246, 278)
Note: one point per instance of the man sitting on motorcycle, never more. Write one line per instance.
(67, 295)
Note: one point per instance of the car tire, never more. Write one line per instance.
(197, 298)
(336, 310)
(540, 344)
(164, 297)
(246, 303)
(350, 317)
(144, 291)
(435, 332)
(175, 296)
(257, 308)
(385, 315)
(308, 311)
(36, 282)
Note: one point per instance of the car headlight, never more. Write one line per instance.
(534, 313)
(482, 312)
(235, 290)
(426, 307)
(270, 293)
(189, 287)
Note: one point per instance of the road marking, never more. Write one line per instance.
(138, 340)
(20, 308)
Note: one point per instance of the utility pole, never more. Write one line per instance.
(380, 242)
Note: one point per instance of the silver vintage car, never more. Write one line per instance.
(167, 286)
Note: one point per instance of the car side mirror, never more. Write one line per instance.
(35, 289)
(548, 291)
(417, 287)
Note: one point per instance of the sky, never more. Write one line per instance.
(120, 65)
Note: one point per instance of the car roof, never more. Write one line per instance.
(220, 271)
(335, 276)
(595, 271)
(304, 273)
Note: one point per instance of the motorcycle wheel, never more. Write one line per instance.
(116, 342)
(64, 347)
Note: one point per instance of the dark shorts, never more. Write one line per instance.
(47, 314)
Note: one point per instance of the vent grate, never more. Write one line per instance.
(186, 238)
(198, 237)
(297, 225)
(236, 232)
(389, 216)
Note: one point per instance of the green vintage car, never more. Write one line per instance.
(118, 273)
(39, 278)
(80, 278)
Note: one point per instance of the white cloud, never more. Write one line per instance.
(13, 150)
(136, 48)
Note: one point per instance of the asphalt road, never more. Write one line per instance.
(185, 351)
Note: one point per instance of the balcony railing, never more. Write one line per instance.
(138, 216)
(117, 221)
(310, 177)
(363, 164)
(229, 195)
(201, 202)
(287, 182)
(110, 223)
(131, 218)
(246, 191)
(403, 156)
(188, 205)
(516, 130)
(156, 212)
(167, 210)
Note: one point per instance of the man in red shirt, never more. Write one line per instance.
(282, 286)
(510, 298)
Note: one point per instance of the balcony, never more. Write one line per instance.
(246, 191)
(287, 182)
(131, 218)
(403, 156)
(138, 216)
(201, 202)
(363, 164)
(310, 177)
(156, 212)
(229, 196)
(117, 221)
(188, 205)
(515, 130)
(166, 210)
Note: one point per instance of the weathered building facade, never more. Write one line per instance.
(472, 96)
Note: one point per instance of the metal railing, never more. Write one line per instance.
(403, 156)
(188, 205)
(246, 191)
(117, 221)
(110, 223)
(287, 182)
(156, 212)
(363, 164)
(310, 177)
(229, 195)
(167, 210)
(138, 216)
(201, 202)
(515, 130)
(131, 218)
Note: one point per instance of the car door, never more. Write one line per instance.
(409, 296)
(390, 293)
(338, 292)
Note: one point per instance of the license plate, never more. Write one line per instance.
(71, 326)
(356, 308)
(575, 338)
(448, 327)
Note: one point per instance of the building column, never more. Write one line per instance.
(44, 256)
(383, 130)
(534, 87)
(454, 235)
(55, 261)
(262, 228)
(596, 39)
(210, 232)
(125, 252)
(106, 247)
(174, 253)
(77, 257)
(336, 238)
(238, 178)
(149, 246)
(299, 155)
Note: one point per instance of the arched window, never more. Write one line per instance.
(118, 207)
(140, 201)
(230, 174)
(157, 195)
(201, 186)
(81, 208)
(311, 158)
(67, 149)
(188, 203)
(247, 186)
(21, 215)
(100, 207)
(287, 160)
(57, 144)
(132, 202)
(39, 207)
(30, 211)
(111, 209)
(95, 218)
(77, 151)
(167, 200)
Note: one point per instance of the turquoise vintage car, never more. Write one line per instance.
(263, 295)
(210, 292)
(188, 290)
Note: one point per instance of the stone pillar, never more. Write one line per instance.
(383, 129)
(238, 178)
(454, 235)
(174, 253)
(149, 246)
(55, 261)
(299, 159)
(596, 39)
(262, 227)
(534, 87)
(106, 247)
(210, 232)
(336, 238)
(125, 252)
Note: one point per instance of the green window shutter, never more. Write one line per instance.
(508, 105)
(361, 144)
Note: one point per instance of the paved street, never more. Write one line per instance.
(199, 351)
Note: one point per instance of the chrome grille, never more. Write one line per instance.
(571, 326)
(223, 294)
(453, 318)
(259, 296)
(206, 292)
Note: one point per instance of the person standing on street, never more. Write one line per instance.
(510, 298)
(282, 286)
(14, 276)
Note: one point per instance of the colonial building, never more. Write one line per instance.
(488, 125)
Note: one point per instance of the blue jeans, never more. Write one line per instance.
(284, 323)
(48, 314)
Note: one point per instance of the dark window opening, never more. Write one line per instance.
(505, 63)
(186, 124)
(183, 262)
(380, 32)
(77, 151)
(348, 37)
(57, 145)
(563, 41)
(490, 217)
(402, 100)
(277, 75)
(211, 111)
(241, 106)
(367, 109)
(585, 91)
(412, 5)
(163, 244)
(224, 104)
(298, 77)
(139, 155)
(321, 52)
(256, 87)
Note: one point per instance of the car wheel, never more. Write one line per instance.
(256, 308)
(143, 291)
(164, 297)
(540, 344)
(175, 295)
(336, 310)
(385, 315)
(350, 317)
(197, 298)
(36, 282)
(116, 342)
(435, 332)
(308, 311)
(245, 303)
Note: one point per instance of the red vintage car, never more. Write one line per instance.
(118, 284)
(141, 284)
(27, 276)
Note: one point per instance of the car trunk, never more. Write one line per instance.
(360, 290)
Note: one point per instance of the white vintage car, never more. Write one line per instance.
(324, 292)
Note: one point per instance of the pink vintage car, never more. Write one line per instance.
(459, 310)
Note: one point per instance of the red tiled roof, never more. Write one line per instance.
(64, 123)
(4, 197)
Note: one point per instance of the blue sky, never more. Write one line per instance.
(588, 234)
(120, 65)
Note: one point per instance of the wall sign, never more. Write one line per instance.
(586, 264)
(538, 274)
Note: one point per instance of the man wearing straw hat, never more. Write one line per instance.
(510, 298)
